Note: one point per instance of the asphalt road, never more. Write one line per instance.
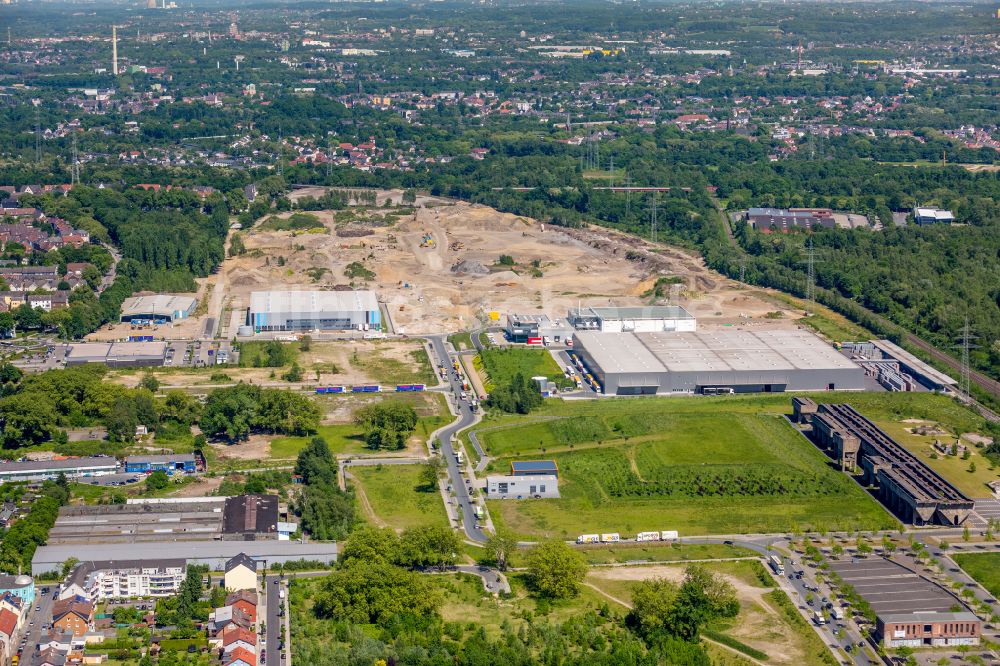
(111, 479)
(848, 636)
(33, 626)
(466, 417)
(272, 623)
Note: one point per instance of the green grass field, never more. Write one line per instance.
(345, 438)
(348, 439)
(396, 497)
(252, 354)
(500, 365)
(701, 466)
(983, 567)
(389, 371)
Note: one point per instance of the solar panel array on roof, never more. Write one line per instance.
(533, 467)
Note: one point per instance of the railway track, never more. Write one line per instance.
(988, 384)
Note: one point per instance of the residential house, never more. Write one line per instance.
(244, 601)
(225, 616)
(75, 616)
(8, 631)
(240, 657)
(235, 638)
(241, 573)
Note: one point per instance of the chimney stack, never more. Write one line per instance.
(114, 49)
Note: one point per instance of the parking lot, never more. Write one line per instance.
(988, 510)
(891, 588)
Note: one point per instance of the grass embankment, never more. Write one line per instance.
(983, 567)
(698, 465)
(461, 341)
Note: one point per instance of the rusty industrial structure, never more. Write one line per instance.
(906, 485)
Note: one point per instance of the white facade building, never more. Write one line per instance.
(97, 581)
(522, 487)
(653, 319)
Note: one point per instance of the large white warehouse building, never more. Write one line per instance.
(313, 310)
(715, 362)
(645, 319)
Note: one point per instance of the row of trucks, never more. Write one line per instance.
(573, 376)
(836, 612)
(614, 537)
(587, 377)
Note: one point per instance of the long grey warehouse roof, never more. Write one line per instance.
(99, 352)
(901, 354)
(160, 458)
(158, 305)
(313, 301)
(213, 553)
(95, 462)
(642, 312)
(710, 351)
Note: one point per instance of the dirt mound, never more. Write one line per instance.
(466, 267)
(354, 232)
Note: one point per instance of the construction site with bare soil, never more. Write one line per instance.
(441, 265)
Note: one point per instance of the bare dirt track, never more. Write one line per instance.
(437, 266)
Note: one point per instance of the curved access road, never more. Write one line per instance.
(465, 418)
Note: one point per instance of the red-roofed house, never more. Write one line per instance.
(237, 638)
(240, 657)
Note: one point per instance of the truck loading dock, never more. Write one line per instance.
(715, 362)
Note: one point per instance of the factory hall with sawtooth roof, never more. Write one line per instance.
(715, 362)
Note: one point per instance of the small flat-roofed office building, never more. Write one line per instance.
(715, 362)
(522, 328)
(770, 220)
(179, 462)
(522, 487)
(932, 216)
(928, 629)
(534, 468)
(159, 307)
(643, 319)
(313, 311)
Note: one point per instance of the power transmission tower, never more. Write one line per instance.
(281, 139)
(75, 169)
(38, 134)
(743, 269)
(628, 195)
(611, 172)
(810, 261)
(966, 342)
(652, 219)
